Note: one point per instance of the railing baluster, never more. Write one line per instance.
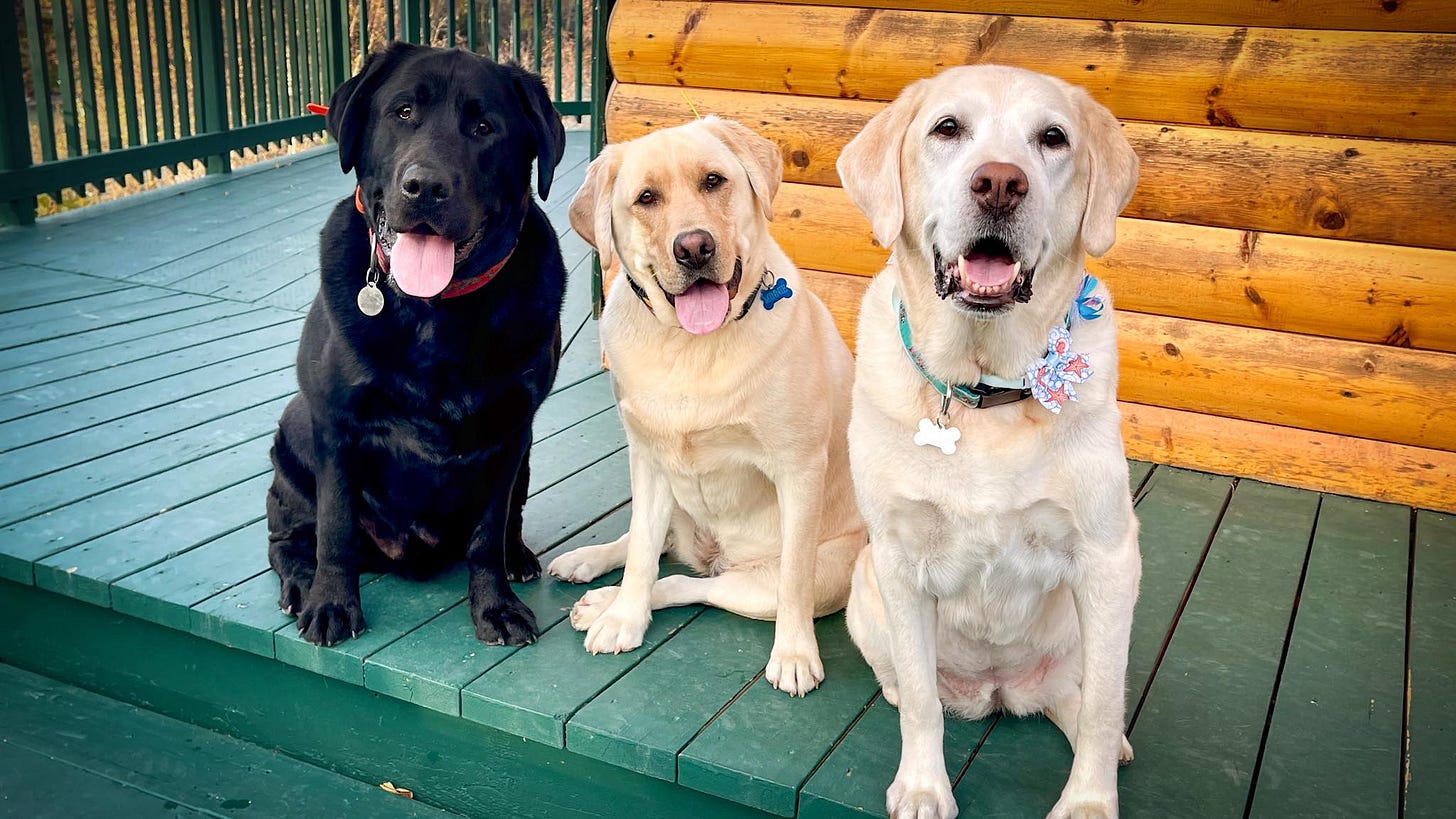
(40, 81)
(179, 69)
(194, 38)
(128, 71)
(164, 73)
(15, 150)
(495, 30)
(450, 24)
(580, 50)
(560, 36)
(80, 17)
(234, 63)
(471, 24)
(255, 45)
(312, 48)
(390, 32)
(144, 59)
(207, 76)
(516, 30)
(363, 33)
(278, 77)
(107, 64)
(427, 31)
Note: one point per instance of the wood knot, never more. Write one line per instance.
(1348, 394)
(1331, 220)
(1351, 153)
(1172, 350)
(1399, 337)
(1369, 366)
(1390, 5)
(800, 159)
(795, 213)
(1253, 295)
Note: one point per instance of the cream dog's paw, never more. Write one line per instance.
(591, 606)
(615, 632)
(794, 670)
(579, 565)
(1085, 806)
(921, 797)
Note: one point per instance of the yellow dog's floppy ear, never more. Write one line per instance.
(869, 166)
(759, 156)
(591, 210)
(1112, 177)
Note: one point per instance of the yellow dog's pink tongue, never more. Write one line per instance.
(421, 264)
(987, 271)
(703, 307)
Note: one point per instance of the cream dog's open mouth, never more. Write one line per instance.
(987, 276)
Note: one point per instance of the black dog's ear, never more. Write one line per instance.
(349, 108)
(545, 125)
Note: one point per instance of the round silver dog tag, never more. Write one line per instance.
(371, 301)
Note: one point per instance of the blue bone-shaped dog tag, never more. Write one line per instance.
(775, 294)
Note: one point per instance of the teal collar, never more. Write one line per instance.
(994, 391)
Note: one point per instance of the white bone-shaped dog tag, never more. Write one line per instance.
(933, 434)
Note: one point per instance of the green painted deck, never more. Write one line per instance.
(1293, 654)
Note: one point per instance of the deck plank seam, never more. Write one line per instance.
(199, 544)
(981, 743)
(1403, 780)
(162, 377)
(90, 350)
(118, 288)
(833, 746)
(284, 317)
(161, 296)
(1283, 658)
(677, 756)
(1182, 604)
(575, 424)
(1143, 485)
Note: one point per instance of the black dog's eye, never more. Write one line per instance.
(947, 127)
(484, 127)
(1054, 137)
(712, 181)
(404, 111)
(646, 198)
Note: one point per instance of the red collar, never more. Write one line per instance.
(455, 288)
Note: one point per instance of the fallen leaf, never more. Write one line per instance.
(397, 791)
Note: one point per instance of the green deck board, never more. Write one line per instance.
(244, 256)
(37, 785)
(431, 664)
(23, 542)
(87, 570)
(1203, 718)
(171, 760)
(164, 593)
(238, 319)
(1431, 791)
(102, 338)
(852, 781)
(26, 286)
(393, 607)
(582, 444)
(58, 318)
(567, 407)
(1024, 762)
(645, 718)
(160, 303)
(227, 349)
(583, 359)
(1343, 684)
(58, 488)
(563, 509)
(746, 755)
(160, 393)
(243, 617)
(149, 425)
(297, 295)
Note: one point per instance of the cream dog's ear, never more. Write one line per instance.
(869, 166)
(760, 157)
(591, 209)
(1112, 178)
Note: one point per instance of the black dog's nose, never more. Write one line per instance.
(693, 248)
(999, 186)
(422, 182)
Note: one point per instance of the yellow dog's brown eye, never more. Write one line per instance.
(947, 127)
(404, 112)
(712, 181)
(1054, 137)
(646, 198)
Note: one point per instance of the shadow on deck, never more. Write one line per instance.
(146, 351)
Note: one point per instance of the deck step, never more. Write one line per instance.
(67, 752)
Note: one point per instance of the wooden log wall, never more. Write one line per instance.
(1285, 274)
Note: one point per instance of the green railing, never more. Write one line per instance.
(98, 90)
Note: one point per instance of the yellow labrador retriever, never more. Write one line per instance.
(985, 445)
(733, 387)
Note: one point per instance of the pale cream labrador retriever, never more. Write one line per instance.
(733, 386)
(1003, 563)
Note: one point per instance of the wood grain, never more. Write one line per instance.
(1407, 15)
(1331, 82)
(1365, 189)
(1301, 458)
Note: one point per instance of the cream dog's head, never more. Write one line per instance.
(685, 209)
(992, 175)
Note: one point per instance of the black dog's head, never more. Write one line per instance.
(442, 142)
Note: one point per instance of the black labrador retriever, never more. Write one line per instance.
(433, 339)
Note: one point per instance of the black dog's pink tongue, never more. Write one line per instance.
(703, 307)
(422, 264)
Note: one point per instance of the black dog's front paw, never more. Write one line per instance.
(326, 622)
(293, 591)
(521, 565)
(509, 622)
